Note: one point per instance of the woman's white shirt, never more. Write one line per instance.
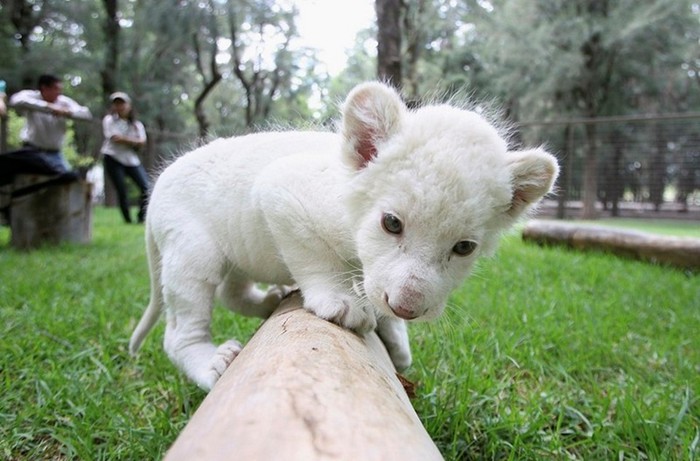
(112, 125)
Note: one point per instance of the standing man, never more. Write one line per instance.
(46, 110)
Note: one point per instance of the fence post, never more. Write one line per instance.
(564, 192)
(305, 389)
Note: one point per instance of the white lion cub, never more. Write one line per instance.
(376, 224)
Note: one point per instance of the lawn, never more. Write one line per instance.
(544, 353)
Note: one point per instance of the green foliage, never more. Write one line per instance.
(164, 57)
(14, 127)
(530, 56)
(543, 354)
(589, 58)
(544, 59)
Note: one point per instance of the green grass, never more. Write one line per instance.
(544, 353)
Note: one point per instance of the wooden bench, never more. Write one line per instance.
(46, 210)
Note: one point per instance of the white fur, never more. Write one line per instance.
(306, 208)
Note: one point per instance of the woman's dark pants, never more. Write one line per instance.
(116, 172)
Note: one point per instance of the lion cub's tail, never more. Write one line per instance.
(152, 312)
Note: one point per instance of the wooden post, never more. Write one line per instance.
(52, 214)
(305, 389)
(683, 252)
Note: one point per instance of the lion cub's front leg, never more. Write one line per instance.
(339, 306)
(394, 334)
(327, 289)
(324, 278)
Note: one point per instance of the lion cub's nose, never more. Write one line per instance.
(406, 305)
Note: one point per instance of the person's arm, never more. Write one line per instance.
(28, 100)
(64, 106)
(136, 141)
(140, 134)
(74, 110)
(108, 127)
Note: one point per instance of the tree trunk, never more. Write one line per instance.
(590, 174)
(657, 167)
(415, 43)
(305, 389)
(25, 15)
(389, 41)
(617, 187)
(564, 195)
(111, 65)
(109, 76)
(208, 82)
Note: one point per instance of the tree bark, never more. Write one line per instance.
(111, 65)
(109, 76)
(210, 81)
(260, 86)
(590, 173)
(389, 41)
(305, 389)
(657, 167)
(25, 16)
(415, 38)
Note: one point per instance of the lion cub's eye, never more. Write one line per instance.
(464, 248)
(392, 224)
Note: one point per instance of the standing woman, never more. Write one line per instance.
(124, 135)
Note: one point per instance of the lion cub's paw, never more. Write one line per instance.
(221, 359)
(360, 319)
(343, 310)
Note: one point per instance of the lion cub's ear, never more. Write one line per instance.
(372, 113)
(533, 173)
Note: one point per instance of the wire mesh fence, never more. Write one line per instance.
(623, 166)
(619, 166)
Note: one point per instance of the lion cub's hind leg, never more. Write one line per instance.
(189, 285)
(248, 298)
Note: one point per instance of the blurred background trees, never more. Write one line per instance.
(218, 67)
(225, 65)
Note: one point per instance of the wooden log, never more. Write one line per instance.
(305, 389)
(683, 252)
(50, 215)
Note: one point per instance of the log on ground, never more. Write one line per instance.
(305, 389)
(682, 252)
